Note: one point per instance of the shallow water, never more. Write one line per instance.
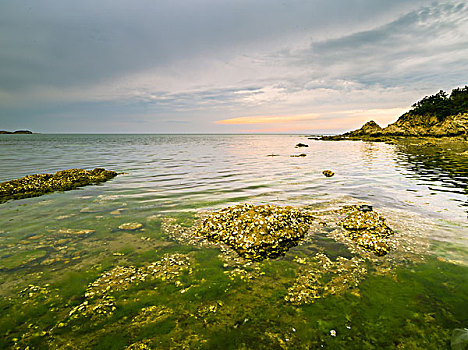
(420, 188)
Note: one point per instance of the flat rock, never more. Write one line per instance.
(64, 180)
(131, 226)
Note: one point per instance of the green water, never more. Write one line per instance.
(57, 249)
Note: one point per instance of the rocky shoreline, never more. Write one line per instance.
(436, 116)
(64, 180)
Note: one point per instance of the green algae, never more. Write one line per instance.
(221, 299)
(20, 259)
(250, 314)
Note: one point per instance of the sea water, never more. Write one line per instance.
(56, 250)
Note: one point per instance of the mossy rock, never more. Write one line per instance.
(369, 230)
(64, 180)
(257, 232)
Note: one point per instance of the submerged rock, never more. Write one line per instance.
(323, 277)
(130, 226)
(257, 232)
(64, 180)
(369, 230)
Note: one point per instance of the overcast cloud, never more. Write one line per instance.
(169, 66)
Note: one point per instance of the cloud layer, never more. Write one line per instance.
(161, 66)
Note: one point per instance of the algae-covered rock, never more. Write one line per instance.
(130, 226)
(257, 232)
(368, 229)
(64, 180)
(328, 173)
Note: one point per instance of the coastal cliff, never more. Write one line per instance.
(439, 115)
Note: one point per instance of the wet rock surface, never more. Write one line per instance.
(64, 180)
(257, 232)
(130, 226)
(328, 173)
(368, 229)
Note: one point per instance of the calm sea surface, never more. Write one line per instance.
(420, 188)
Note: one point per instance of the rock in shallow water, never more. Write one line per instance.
(369, 230)
(64, 180)
(257, 232)
(130, 226)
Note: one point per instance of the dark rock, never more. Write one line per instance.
(328, 173)
(15, 132)
(365, 207)
(299, 155)
(301, 145)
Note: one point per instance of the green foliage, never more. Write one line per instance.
(441, 105)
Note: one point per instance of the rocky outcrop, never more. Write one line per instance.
(428, 125)
(369, 128)
(439, 115)
(64, 180)
(410, 125)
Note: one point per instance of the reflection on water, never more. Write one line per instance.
(440, 165)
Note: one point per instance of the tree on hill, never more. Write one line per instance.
(441, 105)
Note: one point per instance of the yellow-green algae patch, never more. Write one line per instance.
(257, 232)
(64, 180)
(99, 301)
(324, 277)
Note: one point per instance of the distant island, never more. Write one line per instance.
(439, 115)
(3, 132)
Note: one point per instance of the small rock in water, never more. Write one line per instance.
(130, 226)
(301, 145)
(299, 155)
(328, 173)
(365, 207)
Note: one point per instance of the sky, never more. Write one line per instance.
(224, 66)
